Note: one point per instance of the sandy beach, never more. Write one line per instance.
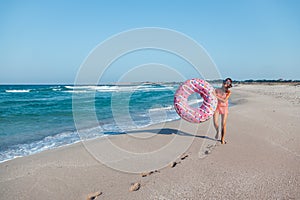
(261, 159)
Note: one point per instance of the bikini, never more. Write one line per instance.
(222, 107)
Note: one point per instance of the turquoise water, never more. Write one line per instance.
(34, 118)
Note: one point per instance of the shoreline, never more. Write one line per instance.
(89, 139)
(260, 161)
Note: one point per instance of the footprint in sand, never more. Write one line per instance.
(173, 164)
(184, 156)
(93, 195)
(134, 187)
(148, 173)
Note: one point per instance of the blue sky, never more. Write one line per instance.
(47, 41)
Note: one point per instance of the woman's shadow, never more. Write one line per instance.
(169, 131)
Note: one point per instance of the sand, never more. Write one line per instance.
(261, 159)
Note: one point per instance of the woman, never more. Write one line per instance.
(222, 95)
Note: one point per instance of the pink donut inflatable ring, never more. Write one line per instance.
(191, 114)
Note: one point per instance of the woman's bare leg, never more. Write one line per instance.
(223, 123)
(216, 123)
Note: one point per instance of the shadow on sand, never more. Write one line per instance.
(168, 131)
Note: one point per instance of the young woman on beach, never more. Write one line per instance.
(222, 95)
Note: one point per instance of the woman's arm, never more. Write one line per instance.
(227, 95)
(226, 98)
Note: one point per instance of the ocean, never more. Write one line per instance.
(34, 118)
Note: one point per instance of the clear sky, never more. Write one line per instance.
(47, 41)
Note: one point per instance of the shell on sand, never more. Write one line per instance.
(135, 187)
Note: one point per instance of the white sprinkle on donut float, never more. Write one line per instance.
(191, 114)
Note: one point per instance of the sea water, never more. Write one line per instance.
(34, 118)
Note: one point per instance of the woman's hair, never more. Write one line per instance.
(228, 79)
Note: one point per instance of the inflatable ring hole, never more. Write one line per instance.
(195, 100)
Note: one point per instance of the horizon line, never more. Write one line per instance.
(149, 82)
